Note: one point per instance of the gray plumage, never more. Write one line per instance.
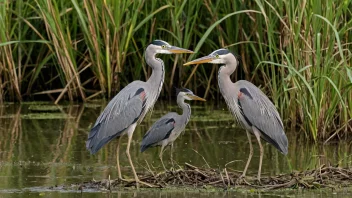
(168, 128)
(130, 105)
(125, 109)
(159, 131)
(258, 111)
(250, 107)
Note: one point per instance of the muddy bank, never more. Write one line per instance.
(194, 177)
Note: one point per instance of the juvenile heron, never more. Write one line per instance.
(129, 106)
(167, 129)
(250, 107)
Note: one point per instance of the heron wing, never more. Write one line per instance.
(260, 112)
(159, 131)
(122, 111)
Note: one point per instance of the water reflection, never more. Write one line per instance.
(45, 148)
(175, 194)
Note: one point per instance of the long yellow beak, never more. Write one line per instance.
(194, 97)
(178, 50)
(205, 59)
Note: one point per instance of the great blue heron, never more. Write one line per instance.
(130, 105)
(167, 129)
(251, 108)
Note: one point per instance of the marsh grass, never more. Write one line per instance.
(312, 77)
(297, 52)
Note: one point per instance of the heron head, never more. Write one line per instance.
(220, 56)
(162, 47)
(188, 94)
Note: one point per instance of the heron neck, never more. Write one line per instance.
(224, 76)
(186, 108)
(156, 80)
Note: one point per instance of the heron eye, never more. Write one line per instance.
(163, 46)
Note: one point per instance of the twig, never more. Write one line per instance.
(109, 187)
(202, 157)
(222, 178)
(288, 184)
(201, 173)
(227, 176)
(149, 169)
(193, 176)
(190, 166)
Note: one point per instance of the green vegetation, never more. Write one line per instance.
(298, 52)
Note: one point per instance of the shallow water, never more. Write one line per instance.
(43, 145)
(175, 194)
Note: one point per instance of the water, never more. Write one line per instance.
(175, 194)
(43, 145)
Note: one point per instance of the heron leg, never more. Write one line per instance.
(257, 135)
(118, 158)
(171, 156)
(250, 154)
(130, 133)
(161, 156)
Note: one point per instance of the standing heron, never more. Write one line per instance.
(167, 129)
(250, 107)
(130, 105)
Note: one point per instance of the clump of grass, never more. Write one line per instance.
(54, 16)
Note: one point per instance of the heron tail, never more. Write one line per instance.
(94, 142)
(144, 147)
(280, 143)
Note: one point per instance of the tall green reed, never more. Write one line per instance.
(55, 16)
(309, 73)
(10, 82)
(109, 28)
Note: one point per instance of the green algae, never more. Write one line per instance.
(45, 108)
